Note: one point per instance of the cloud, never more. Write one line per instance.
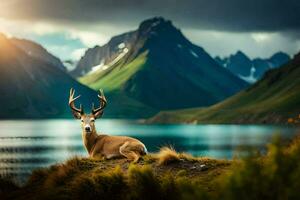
(261, 37)
(21, 28)
(229, 15)
(24, 29)
(89, 38)
(258, 27)
(254, 44)
(77, 53)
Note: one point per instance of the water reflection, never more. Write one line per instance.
(26, 145)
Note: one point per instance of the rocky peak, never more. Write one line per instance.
(156, 26)
(239, 54)
(280, 58)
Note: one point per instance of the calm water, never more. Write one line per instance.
(26, 145)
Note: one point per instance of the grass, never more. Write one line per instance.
(113, 79)
(168, 155)
(169, 175)
(84, 178)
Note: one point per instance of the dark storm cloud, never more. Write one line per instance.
(228, 15)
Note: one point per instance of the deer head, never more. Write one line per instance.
(87, 120)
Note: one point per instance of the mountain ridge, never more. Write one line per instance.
(32, 88)
(251, 70)
(273, 99)
(161, 68)
(37, 51)
(101, 54)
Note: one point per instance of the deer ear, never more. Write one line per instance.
(77, 115)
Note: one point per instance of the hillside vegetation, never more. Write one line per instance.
(168, 175)
(273, 99)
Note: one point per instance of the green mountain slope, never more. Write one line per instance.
(117, 76)
(273, 99)
(162, 70)
(120, 104)
(32, 88)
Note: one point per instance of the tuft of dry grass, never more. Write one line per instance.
(167, 155)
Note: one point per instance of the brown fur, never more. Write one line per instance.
(104, 145)
(109, 146)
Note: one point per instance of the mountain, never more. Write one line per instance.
(251, 70)
(238, 63)
(34, 88)
(95, 57)
(159, 68)
(37, 51)
(273, 99)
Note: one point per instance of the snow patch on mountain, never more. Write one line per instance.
(250, 78)
(155, 24)
(98, 67)
(193, 53)
(125, 50)
(121, 45)
(102, 67)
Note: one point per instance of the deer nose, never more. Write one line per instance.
(87, 128)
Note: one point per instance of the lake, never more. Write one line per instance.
(26, 145)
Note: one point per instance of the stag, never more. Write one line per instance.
(100, 145)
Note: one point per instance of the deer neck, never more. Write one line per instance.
(89, 140)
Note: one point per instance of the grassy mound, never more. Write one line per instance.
(168, 175)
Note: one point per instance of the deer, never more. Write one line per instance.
(101, 145)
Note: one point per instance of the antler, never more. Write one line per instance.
(76, 112)
(98, 112)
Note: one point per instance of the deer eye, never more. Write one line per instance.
(92, 120)
(82, 120)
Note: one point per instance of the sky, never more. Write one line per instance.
(68, 27)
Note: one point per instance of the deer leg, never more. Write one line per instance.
(137, 157)
(97, 156)
(129, 154)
